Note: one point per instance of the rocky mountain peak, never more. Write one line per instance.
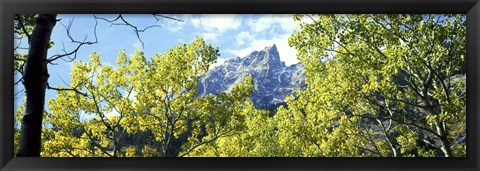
(273, 80)
(272, 50)
(267, 58)
(272, 56)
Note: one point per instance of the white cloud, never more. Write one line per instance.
(219, 62)
(211, 26)
(70, 65)
(89, 116)
(181, 41)
(270, 22)
(309, 19)
(216, 23)
(287, 54)
(209, 37)
(112, 113)
(266, 31)
(173, 25)
(137, 45)
(132, 94)
(243, 37)
(175, 28)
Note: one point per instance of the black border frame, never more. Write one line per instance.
(10, 7)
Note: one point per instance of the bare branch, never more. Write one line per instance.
(120, 20)
(19, 43)
(18, 81)
(63, 80)
(101, 18)
(21, 91)
(309, 16)
(66, 89)
(165, 16)
(458, 140)
(135, 29)
(80, 44)
(23, 48)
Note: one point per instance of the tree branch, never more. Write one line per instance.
(22, 26)
(165, 16)
(120, 20)
(66, 89)
(21, 91)
(80, 44)
(203, 142)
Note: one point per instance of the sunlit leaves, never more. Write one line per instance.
(156, 95)
(378, 85)
(149, 151)
(382, 72)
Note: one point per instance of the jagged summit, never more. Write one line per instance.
(273, 80)
(272, 48)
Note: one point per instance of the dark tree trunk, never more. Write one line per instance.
(35, 81)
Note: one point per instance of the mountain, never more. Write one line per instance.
(273, 79)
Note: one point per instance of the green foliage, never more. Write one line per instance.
(379, 84)
(105, 104)
(22, 23)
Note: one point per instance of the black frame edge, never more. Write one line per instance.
(6, 84)
(249, 6)
(473, 66)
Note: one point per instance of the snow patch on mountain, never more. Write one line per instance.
(273, 79)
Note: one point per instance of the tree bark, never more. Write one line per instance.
(35, 81)
(442, 131)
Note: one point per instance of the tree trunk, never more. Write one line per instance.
(442, 131)
(35, 80)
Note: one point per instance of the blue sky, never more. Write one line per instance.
(234, 35)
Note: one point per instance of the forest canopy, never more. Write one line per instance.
(377, 86)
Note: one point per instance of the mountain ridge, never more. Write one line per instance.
(273, 79)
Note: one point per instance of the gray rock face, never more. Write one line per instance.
(273, 80)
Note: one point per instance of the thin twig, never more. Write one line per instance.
(19, 81)
(120, 20)
(80, 44)
(19, 43)
(66, 89)
(21, 91)
(165, 16)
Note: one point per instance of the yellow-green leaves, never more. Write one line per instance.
(149, 151)
(381, 72)
(130, 152)
(152, 98)
(378, 85)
